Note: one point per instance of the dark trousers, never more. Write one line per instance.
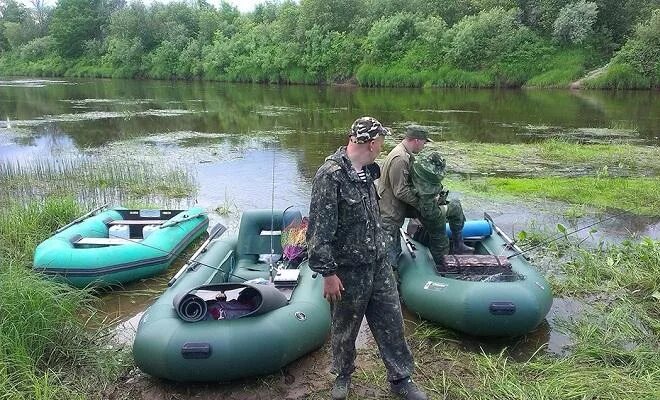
(370, 290)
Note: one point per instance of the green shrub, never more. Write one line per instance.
(642, 51)
(477, 41)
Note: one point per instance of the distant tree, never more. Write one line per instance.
(75, 22)
(390, 37)
(478, 40)
(16, 25)
(330, 15)
(42, 15)
(575, 22)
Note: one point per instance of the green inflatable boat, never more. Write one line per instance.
(487, 295)
(118, 245)
(224, 318)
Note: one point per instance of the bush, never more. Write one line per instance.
(478, 40)
(642, 51)
(575, 22)
(38, 48)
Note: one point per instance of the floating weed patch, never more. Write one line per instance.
(116, 177)
(559, 157)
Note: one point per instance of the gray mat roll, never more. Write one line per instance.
(190, 307)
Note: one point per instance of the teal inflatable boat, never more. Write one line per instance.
(118, 245)
(230, 313)
(487, 295)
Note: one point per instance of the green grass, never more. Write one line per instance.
(640, 196)
(46, 349)
(564, 68)
(619, 76)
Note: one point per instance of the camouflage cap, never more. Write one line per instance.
(417, 132)
(365, 129)
(428, 171)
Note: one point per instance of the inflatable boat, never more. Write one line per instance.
(497, 292)
(118, 245)
(233, 311)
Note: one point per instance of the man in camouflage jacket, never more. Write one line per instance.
(347, 245)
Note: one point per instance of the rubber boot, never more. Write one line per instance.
(341, 387)
(458, 247)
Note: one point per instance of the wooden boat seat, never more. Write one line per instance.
(137, 222)
(104, 241)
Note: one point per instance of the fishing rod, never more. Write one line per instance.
(563, 235)
(272, 222)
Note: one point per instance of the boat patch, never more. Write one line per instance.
(430, 285)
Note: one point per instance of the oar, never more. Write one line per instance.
(217, 230)
(409, 245)
(75, 221)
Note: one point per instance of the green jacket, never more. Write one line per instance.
(398, 197)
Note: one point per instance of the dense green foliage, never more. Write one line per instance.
(475, 43)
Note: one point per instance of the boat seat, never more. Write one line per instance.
(103, 241)
(137, 222)
(257, 230)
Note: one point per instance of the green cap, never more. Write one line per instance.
(417, 132)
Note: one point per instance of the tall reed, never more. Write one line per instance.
(44, 344)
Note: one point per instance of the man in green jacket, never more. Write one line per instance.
(427, 173)
(398, 197)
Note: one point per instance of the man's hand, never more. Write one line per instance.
(332, 288)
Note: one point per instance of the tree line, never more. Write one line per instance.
(445, 43)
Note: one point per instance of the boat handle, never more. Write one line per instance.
(196, 350)
(502, 308)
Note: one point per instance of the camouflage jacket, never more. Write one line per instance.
(398, 196)
(344, 219)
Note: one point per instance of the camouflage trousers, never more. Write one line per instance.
(394, 243)
(370, 291)
(434, 218)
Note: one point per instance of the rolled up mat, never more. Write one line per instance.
(474, 228)
(190, 307)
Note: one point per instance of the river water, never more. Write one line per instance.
(257, 146)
